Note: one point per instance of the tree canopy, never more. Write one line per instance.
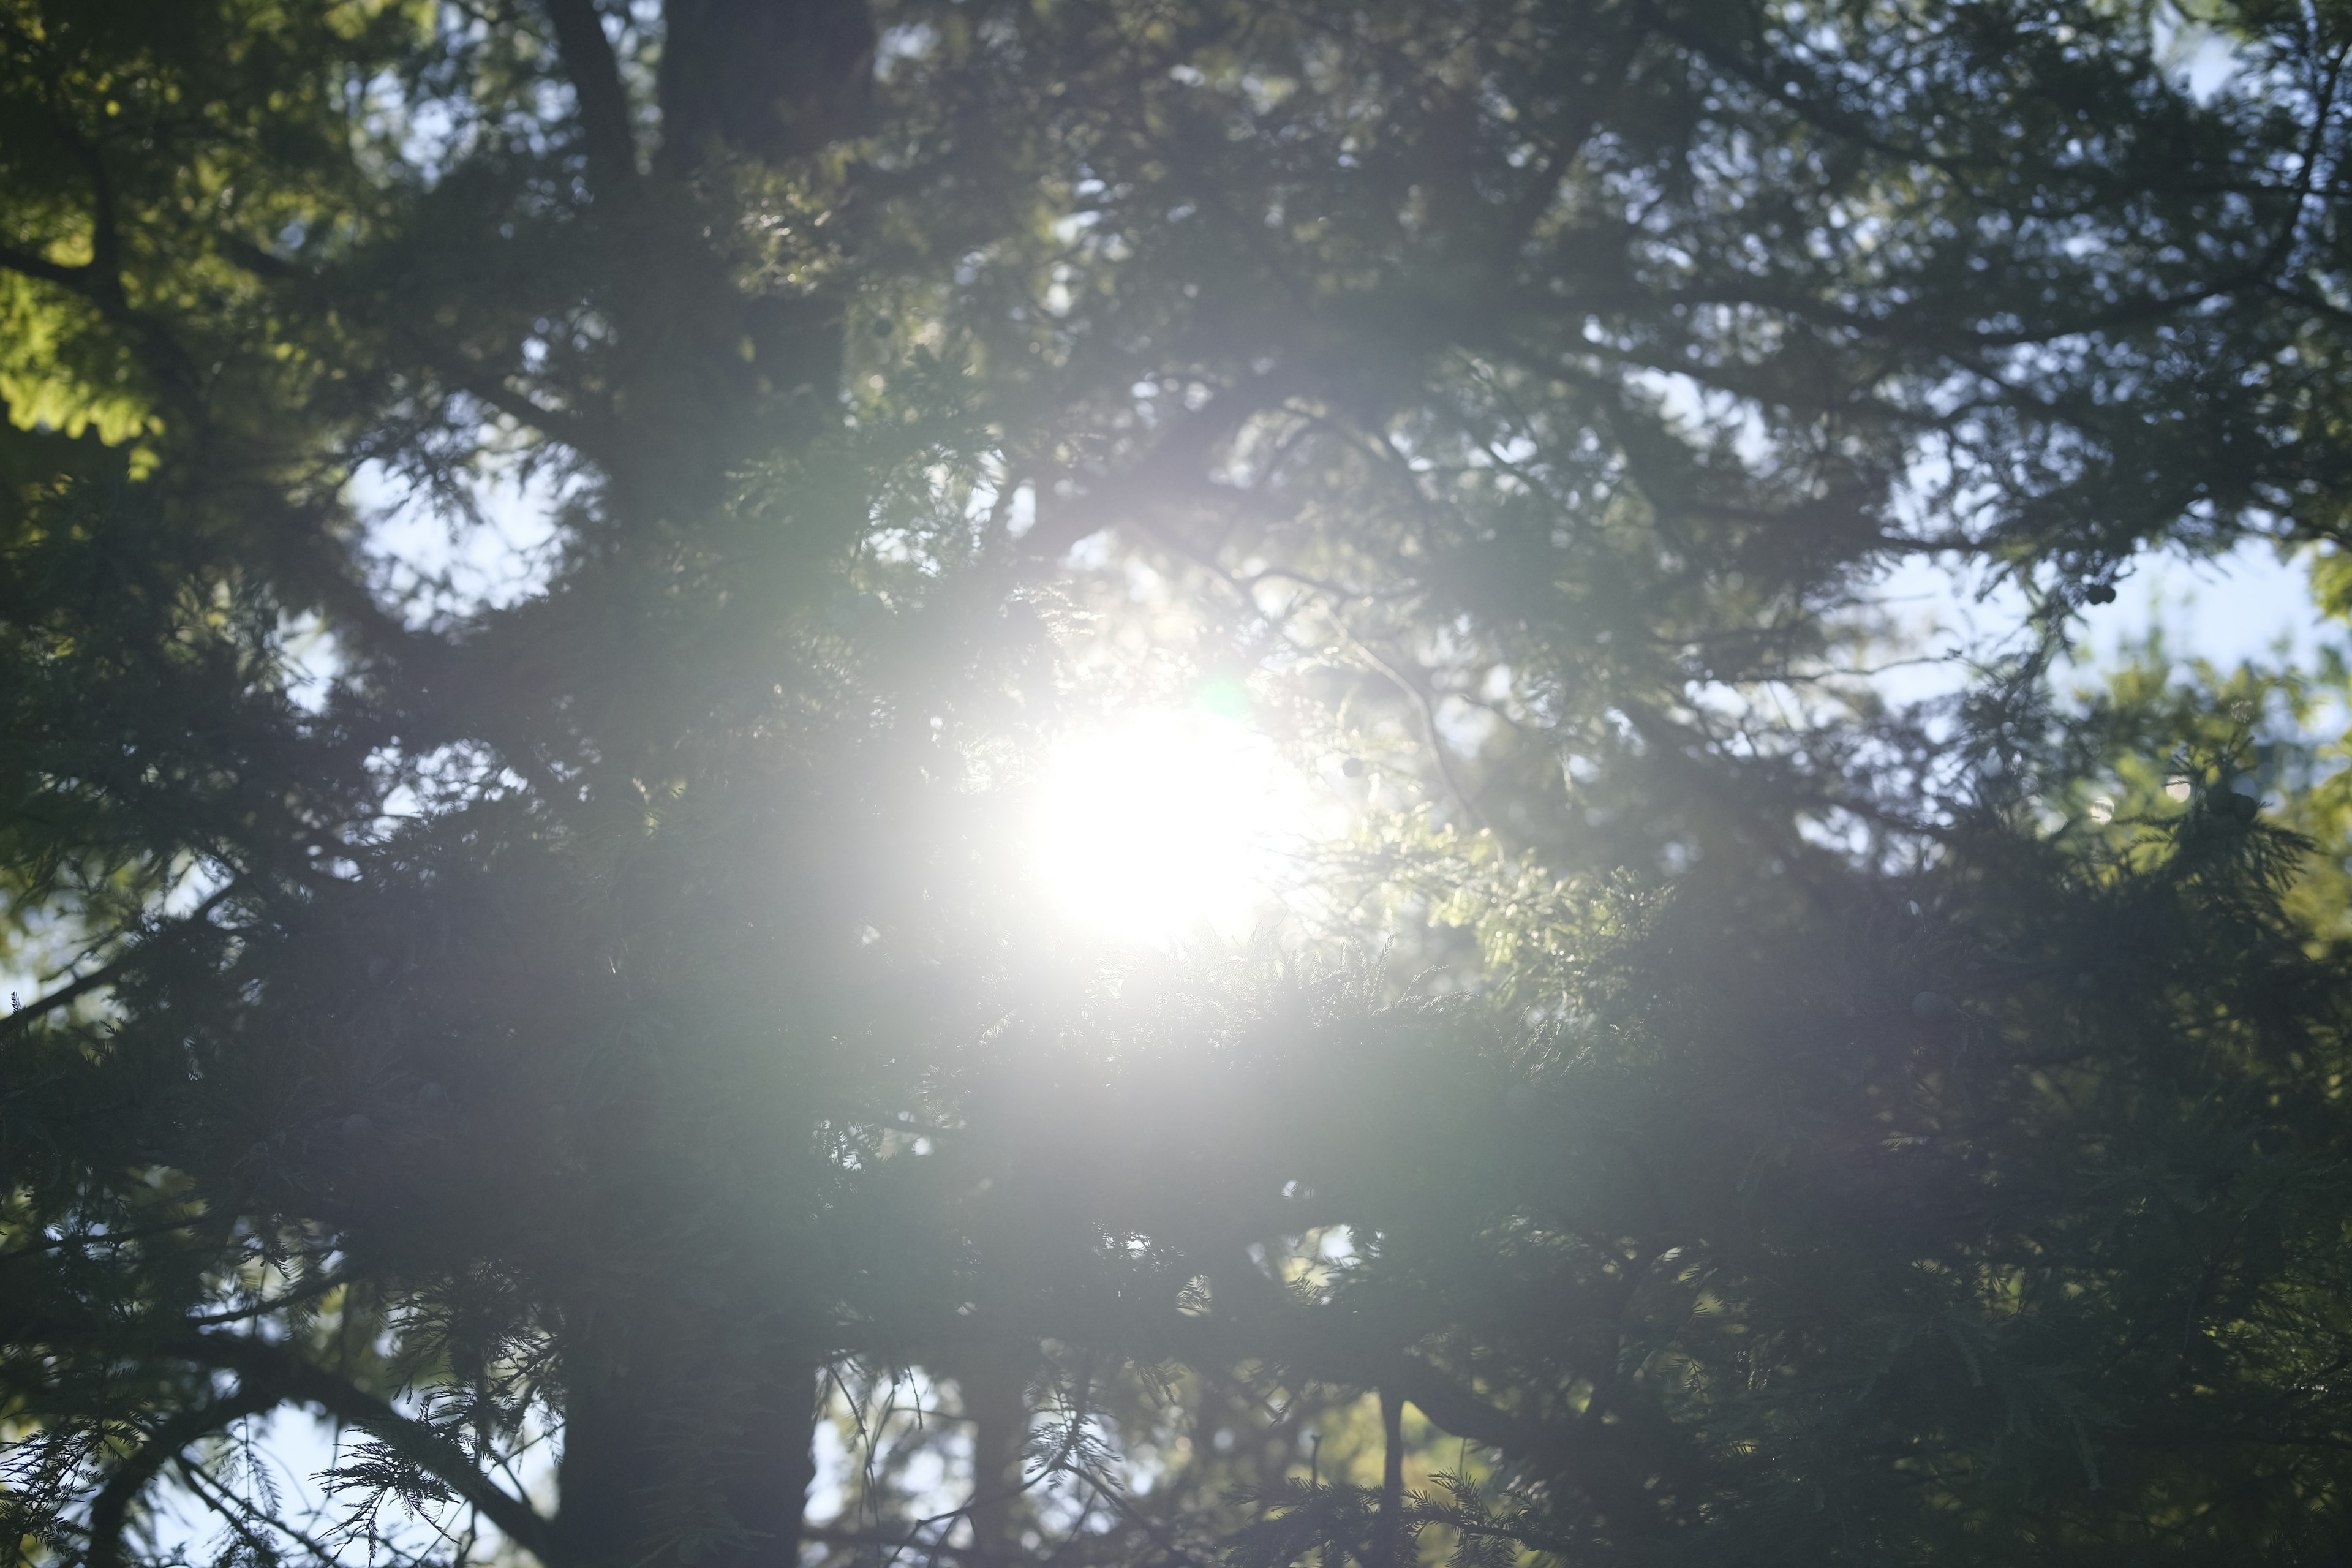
(596, 1039)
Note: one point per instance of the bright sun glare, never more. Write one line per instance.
(1150, 826)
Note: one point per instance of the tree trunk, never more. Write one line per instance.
(671, 1457)
(994, 1385)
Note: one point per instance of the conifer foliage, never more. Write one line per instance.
(587, 1039)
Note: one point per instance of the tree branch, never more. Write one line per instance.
(105, 233)
(1326, 1345)
(290, 1378)
(595, 77)
(24, 1017)
(99, 279)
(1175, 461)
(81, 279)
(109, 1514)
(1426, 707)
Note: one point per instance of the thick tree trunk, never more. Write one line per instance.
(995, 1386)
(766, 1493)
(682, 1442)
(670, 1460)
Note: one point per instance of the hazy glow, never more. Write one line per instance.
(1151, 826)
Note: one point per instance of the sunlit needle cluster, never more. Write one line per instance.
(1150, 827)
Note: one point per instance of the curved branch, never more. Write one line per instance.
(290, 1378)
(109, 1514)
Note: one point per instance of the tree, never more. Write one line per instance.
(607, 1020)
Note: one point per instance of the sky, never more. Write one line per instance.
(2245, 606)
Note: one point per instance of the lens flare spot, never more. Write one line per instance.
(1149, 828)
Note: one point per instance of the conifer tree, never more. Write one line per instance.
(590, 1041)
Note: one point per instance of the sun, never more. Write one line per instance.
(1148, 829)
